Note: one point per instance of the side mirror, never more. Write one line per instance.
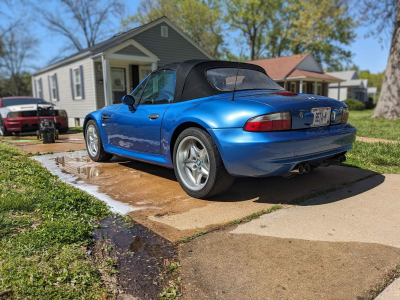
(128, 100)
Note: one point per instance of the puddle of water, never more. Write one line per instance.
(141, 255)
(68, 167)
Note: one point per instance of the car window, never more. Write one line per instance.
(160, 88)
(137, 93)
(20, 101)
(224, 79)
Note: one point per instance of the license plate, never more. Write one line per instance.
(322, 116)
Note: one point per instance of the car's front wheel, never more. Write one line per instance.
(198, 164)
(94, 145)
(3, 129)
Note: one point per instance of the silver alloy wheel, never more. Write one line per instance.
(92, 140)
(193, 163)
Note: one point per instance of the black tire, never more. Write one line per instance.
(63, 130)
(219, 179)
(101, 155)
(4, 131)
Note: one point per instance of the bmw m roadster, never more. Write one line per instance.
(213, 120)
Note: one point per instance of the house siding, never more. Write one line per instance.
(131, 50)
(174, 48)
(309, 64)
(75, 108)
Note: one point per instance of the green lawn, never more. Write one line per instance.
(45, 226)
(378, 157)
(374, 127)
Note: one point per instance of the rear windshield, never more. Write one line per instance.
(20, 101)
(223, 79)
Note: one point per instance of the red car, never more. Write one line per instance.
(19, 114)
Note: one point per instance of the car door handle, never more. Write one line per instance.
(154, 116)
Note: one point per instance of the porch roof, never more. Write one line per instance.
(308, 75)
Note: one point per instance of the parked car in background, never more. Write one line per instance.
(19, 114)
(213, 120)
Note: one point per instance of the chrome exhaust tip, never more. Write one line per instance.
(307, 168)
(300, 169)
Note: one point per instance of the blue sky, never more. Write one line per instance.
(369, 54)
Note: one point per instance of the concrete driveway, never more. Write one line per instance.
(338, 245)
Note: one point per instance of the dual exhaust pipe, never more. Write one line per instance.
(306, 168)
(302, 169)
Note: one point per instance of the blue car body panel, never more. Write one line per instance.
(132, 134)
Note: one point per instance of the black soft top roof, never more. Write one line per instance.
(191, 80)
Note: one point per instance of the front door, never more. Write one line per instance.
(139, 129)
(118, 81)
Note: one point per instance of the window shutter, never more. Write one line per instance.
(41, 88)
(82, 82)
(50, 95)
(58, 95)
(72, 84)
(34, 88)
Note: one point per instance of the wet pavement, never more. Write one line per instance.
(153, 197)
(30, 144)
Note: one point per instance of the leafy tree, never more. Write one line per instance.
(199, 19)
(321, 27)
(384, 19)
(17, 85)
(374, 80)
(253, 19)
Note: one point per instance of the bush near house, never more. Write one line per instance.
(354, 104)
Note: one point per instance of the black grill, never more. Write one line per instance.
(30, 113)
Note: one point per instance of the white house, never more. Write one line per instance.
(101, 75)
(351, 87)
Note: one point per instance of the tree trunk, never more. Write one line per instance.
(389, 100)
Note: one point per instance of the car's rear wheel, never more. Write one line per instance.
(94, 145)
(3, 129)
(198, 164)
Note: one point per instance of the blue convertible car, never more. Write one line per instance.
(213, 120)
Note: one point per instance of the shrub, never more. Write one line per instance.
(354, 104)
(370, 105)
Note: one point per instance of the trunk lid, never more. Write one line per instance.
(300, 106)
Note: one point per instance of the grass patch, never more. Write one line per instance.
(256, 214)
(45, 227)
(392, 276)
(75, 129)
(378, 157)
(374, 127)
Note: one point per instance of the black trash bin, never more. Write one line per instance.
(48, 131)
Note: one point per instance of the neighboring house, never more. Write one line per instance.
(99, 76)
(299, 73)
(372, 91)
(351, 87)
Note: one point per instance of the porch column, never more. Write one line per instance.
(315, 87)
(338, 93)
(153, 66)
(301, 86)
(106, 80)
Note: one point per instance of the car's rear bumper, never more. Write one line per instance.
(276, 153)
(31, 123)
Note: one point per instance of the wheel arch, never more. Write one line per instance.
(178, 130)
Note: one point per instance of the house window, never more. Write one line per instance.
(39, 88)
(77, 84)
(53, 88)
(77, 122)
(143, 72)
(305, 88)
(293, 87)
(319, 89)
(164, 31)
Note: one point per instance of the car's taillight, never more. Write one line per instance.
(270, 122)
(345, 115)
